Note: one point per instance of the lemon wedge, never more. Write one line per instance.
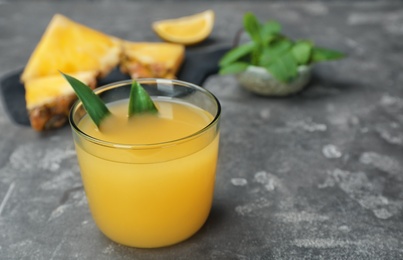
(186, 30)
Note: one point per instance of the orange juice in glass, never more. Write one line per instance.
(149, 180)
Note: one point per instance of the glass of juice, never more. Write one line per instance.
(149, 179)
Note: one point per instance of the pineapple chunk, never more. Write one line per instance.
(49, 99)
(69, 47)
(152, 59)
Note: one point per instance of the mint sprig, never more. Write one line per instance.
(270, 49)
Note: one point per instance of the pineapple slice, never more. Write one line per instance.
(50, 98)
(152, 59)
(69, 47)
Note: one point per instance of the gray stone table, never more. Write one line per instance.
(315, 176)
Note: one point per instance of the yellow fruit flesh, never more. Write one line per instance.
(161, 60)
(69, 47)
(39, 91)
(149, 53)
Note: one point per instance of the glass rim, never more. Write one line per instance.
(140, 146)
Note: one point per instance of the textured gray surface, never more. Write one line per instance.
(314, 176)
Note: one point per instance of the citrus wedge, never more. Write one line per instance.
(186, 30)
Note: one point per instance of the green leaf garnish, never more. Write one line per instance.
(269, 49)
(92, 103)
(140, 101)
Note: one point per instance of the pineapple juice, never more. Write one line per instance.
(154, 186)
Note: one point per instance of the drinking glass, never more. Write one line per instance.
(154, 194)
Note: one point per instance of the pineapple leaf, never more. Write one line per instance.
(93, 104)
(140, 101)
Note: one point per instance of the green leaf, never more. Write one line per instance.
(276, 50)
(234, 68)
(269, 30)
(271, 27)
(322, 54)
(269, 39)
(302, 52)
(270, 49)
(236, 54)
(252, 27)
(140, 101)
(284, 68)
(92, 103)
